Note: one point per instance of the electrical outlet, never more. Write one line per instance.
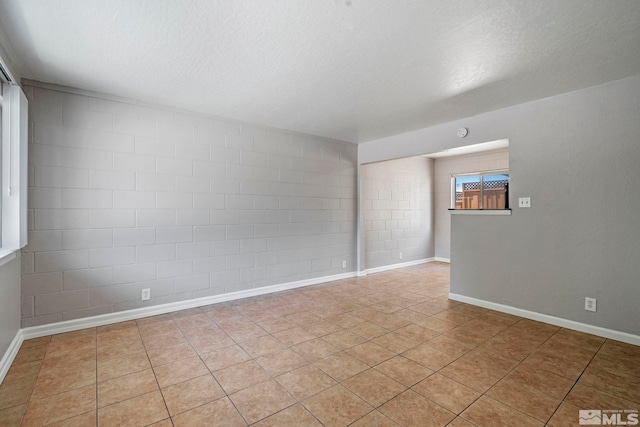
(344, 263)
(146, 294)
(524, 202)
(400, 255)
(590, 304)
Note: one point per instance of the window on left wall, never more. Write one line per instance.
(1, 145)
(13, 167)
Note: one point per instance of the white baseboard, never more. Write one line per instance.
(398, 265)
(448, 260)
(558, 321)
(121, 316)
(10, 354)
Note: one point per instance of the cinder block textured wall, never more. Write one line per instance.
(125, 197)
(398, 211)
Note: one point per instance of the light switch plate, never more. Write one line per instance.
(524, 202)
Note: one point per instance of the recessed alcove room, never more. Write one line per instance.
(338, 213)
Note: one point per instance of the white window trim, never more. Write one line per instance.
(7, 256)
(13, 172)
(480, 211)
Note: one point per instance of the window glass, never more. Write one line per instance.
(2, 88)
(468, 192)
(493, 191)
(488, 190)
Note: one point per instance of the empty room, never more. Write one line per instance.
(319, 213)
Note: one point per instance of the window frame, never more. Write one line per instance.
(480, 174)
(13, 170)
(3, 82)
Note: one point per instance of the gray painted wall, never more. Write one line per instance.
(126, 197)
(576, 155)
(9, 303)
(397, 211)
(444, 168)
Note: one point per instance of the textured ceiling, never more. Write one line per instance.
(354, 70)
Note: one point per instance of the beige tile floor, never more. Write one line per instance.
(385, 350)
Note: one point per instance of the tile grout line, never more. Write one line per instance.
(155, 377)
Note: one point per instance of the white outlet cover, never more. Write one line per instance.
(590, 304)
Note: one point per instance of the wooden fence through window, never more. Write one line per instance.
(469, 197)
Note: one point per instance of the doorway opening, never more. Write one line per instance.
(405, 203)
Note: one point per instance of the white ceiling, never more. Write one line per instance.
(354, 70)
(470, 149)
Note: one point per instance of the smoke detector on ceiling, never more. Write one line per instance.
(462, 132)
